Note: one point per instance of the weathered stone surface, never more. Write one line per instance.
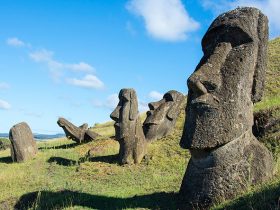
(163, 115)
(79, 134)
(23, 145)
(226, 157)
(128, 128)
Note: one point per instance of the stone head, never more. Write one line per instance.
(228, 79)
(125, 114)
(61, 122)
(162, 116)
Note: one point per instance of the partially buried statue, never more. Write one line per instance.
(225, 156)
(128, 128)
(78, 134)
(163, 115)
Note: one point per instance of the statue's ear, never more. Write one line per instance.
(171, 114)
(133, 110)
(259, 74)
(176, 106)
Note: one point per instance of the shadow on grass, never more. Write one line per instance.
(62, 161)
(6, 160)
(67, 162)
(66, 198)
(64, 146)
(105, 159)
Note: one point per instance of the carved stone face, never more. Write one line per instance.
(226, 82)
(162, 116)
(125, 114)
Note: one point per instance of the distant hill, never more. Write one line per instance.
(38, 136)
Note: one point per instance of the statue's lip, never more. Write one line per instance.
(200, 103)
(117, 124)
(60, 123)
(150, 123)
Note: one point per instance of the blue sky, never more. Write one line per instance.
(70, 58)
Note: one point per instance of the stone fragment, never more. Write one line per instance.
(23, 145)
(128, 128)
(163, 114)
(79, 134)
(226, 158)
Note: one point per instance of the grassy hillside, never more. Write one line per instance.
(67, 176)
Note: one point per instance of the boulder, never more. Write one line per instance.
(23, 145)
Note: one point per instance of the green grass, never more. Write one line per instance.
(66, 176)
(272, 85)
(267, 103)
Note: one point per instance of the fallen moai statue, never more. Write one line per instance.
(79, 134)
(23, 145)
(163, 114)
(226, 158)
(128, 128)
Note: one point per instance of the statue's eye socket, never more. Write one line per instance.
(168, 97)
(124, 99)
(234, 35)
(209, 86)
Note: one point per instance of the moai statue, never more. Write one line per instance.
(79, 134)
(163, 114)
(23, 145)
(225, 156)
(128, 128)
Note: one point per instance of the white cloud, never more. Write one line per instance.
(80, 67)
(15, 42)
(164, 19)
(41, 56)
(269, 7)
(58, 69)
(89, 81)
(142, 106)
(4, 85)
(155, 95)
(4, 105)
(111, 102)
(46, 56)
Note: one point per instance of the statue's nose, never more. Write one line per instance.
(207, 77)
(197, 87)
(154, 105)
(115, 115)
